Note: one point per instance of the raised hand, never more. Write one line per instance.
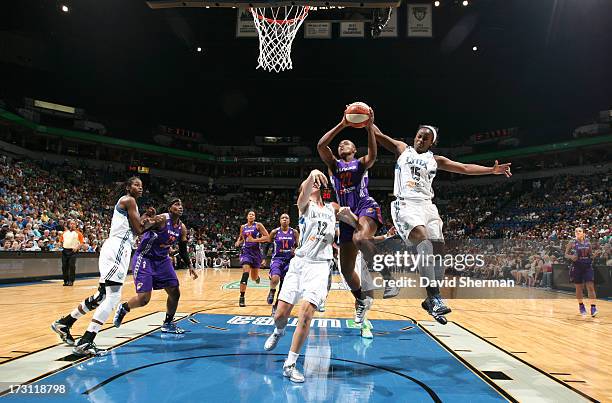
(502, 169)
(319, 177)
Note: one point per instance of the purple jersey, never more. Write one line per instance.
(283, 244)
(350, 182)
(583, 251)
(155, 244)
(254, 232)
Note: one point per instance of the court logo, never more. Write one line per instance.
(235, 285)
(419, 13)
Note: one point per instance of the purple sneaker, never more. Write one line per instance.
(593, 310)
(583, 311)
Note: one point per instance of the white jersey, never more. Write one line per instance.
(414, 175)
(120, 225)
(317, 231)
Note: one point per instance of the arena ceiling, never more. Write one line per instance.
(540, 65)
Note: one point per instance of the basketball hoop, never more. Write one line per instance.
(277, 27)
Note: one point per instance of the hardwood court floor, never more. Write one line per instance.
(547, 333)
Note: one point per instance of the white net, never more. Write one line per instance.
(277, 27)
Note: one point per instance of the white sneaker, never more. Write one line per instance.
(272, 341)
(321, 307)
(366, 330)
(291, 372)
(363, 306)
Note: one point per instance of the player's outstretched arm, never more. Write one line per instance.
(325, 152)
(448, 165)
(315, 176)
(369, 159)
(395, 146)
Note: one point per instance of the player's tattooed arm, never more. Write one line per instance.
(369, 159)
(240, 239)
(449, 165)
(395, 146)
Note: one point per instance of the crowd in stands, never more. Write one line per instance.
(38, 198)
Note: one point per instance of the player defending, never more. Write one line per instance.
(308, 271)
(251, 235)
(350, 179)
(414, 215)
(579, 252)
(152, 267)
(113, 263)
(284, 239)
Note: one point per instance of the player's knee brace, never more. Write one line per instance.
(245, 278)
(93, 301)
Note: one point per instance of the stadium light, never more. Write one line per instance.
(474, 48)
(436, 3)
(65, 8)
(465, 3)
(199, 49)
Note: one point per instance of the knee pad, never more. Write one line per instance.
(245, 278)
(93, 301)
(113, 297)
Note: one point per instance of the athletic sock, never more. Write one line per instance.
(279, 331)
(68, 320)
(241, 294)
(358, 294)
(126, 306)
(76, 313)
(93, 327)
(291, 358)
(273, 291)
(169, 318)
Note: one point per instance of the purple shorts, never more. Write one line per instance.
(152, 274)
(365, 207)
(251, 256)
(279, 267)
(579, 274)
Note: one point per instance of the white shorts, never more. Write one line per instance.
(365, 277)
(114, 260)
(305, 279)
(408, 214)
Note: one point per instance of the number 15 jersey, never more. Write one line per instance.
(317, 231)
(414, 174)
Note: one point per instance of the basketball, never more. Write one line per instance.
(357, 114)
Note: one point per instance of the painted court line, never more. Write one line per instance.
(526, 384)
(35, 365)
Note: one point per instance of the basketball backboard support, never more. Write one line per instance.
(277, 22)
(155, 4)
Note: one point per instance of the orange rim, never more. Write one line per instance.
(281, 22)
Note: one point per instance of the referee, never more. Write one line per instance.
(71, 243)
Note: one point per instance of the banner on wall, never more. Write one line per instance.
(390, 30)
(317, 30)
(419, 21)
(245, 27)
